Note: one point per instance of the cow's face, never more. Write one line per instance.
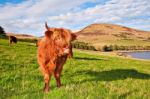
(62, 39)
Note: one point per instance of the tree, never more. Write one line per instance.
(2, 33)
(107, 48)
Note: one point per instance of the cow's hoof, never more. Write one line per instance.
(46, 90)
(59, 85)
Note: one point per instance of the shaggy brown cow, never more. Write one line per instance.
(53, 50)
(12, 39)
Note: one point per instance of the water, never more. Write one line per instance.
(140, 55)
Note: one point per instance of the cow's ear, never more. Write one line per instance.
(48, 34)
(73, 36)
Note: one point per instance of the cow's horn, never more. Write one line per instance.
(46, 26)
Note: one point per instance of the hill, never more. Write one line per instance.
(110, 34)
(24, 37)
(21, 36)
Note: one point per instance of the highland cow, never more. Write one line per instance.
(53, 50)
(12, 39)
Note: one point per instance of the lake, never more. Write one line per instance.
(139, 55)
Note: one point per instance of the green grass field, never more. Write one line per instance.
(86, 76)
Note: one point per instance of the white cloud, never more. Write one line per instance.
(114, 11)
(29, 16)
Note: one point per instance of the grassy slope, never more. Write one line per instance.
(85, 76)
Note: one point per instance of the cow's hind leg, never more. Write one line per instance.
(58, 70)
(57, 77)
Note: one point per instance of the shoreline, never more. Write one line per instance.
(125, 54)
(121, 54)
(133, 51)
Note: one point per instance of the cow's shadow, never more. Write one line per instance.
(111, 75)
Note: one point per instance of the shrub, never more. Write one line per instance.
(28, 40)
(86, 46)
(83, 45)
(2, 33)
(107, 48)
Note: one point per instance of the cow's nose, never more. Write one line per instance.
(66, 51)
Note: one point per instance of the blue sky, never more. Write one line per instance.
(29, 16)
(11, 1)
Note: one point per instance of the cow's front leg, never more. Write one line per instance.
(51, 67)
(46, 80)
(47, 76)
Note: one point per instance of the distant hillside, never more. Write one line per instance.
(98, 36)
(110, 34)
(21, 36)
(24, 37)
